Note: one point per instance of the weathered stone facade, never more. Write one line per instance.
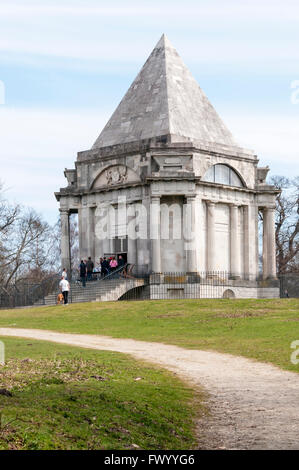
(165, 149)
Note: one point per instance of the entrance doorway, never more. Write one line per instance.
(117, 255)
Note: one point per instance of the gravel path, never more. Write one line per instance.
(253, 405)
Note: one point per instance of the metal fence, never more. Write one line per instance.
(289, 285)
(135, 283)
(180, 285)
(26, 293)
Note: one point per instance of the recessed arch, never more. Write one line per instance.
(223, 174)
(114, 175)
(228, 294)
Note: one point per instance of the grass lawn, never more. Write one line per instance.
(260, 329)
(69, 398)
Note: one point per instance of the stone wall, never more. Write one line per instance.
(201, 291)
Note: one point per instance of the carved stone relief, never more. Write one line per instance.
(116, 175)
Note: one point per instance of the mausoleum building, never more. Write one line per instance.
(166, 185)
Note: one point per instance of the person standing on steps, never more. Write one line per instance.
(82, 269)
(101, 262)
(64, 287)
(64, 274)
(89, 269)
(105, 267)
(121, 263)
(113, 264)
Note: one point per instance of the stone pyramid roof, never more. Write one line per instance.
(164, 99)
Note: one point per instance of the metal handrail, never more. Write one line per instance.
(117, 270)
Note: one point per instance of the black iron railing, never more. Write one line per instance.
(139, 284)
(289, 285)
(180, 285)
(26, 293)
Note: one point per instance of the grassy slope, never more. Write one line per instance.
(260, 329)
(57, 404)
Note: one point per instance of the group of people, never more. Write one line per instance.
(88, 271)
(105, 266)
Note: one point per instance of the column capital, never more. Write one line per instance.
(191, 197)
(155, 198)
(211, 203)
(266, 208)
(64, 211)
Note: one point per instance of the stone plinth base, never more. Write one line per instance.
(204, 291)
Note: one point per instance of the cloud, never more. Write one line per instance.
(46, 133)
(174, 9)
(36, 146)
(202, 31)
(275, 139)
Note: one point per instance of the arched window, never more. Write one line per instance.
(222, 174)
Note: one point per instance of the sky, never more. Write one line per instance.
(65, 65)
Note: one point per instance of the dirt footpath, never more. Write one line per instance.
(253, 405)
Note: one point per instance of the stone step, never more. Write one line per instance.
(98, 291)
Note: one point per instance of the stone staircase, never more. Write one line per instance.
(95, 291)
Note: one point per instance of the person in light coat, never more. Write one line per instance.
(64, 286)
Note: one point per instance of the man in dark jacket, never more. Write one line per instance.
(89, 268)
(105, 266)
(82, 269)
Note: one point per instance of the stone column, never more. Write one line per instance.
(83, 232)
(108, 221)
(250, 242)
(155, 232)
(65, 241)
(190, 245)
(235, 255)
(80, 232)
(132, 242)
(100, 224)
(143, 215)
(269, 247)
(211, 236)
(91, 232)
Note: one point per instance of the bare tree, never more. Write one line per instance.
(27, 248)
(74, 242)
(287, 224)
